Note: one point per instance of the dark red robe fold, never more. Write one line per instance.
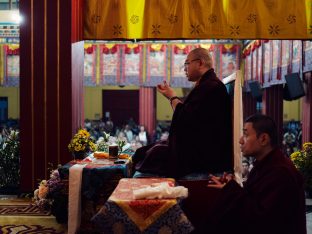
(200, 138)
(201, 133)
(272, 200)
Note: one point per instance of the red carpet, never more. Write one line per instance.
(21, 229)
(23, 209)
(20, 216)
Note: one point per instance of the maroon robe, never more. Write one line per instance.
(272, 200)
(200, 138)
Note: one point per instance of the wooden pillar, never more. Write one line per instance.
(273, 107)
(249, 105)
(51, 91)
(147, 109)
(307, 109)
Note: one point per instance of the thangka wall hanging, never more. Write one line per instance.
(307, 59)
(132, 69)
(286, 47)
(10, 65)
(278, 58)
(276, 62)
(259, 70)
(267, 48)
(296, 56)
(178, 56)
(90, 65)
(229, 59)
(156, 64)
(110, 65)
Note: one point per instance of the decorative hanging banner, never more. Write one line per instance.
(209, 47)
(132, 55)
(296, 55)
(254, 65)
(105, 19)
(12, 65)
(178, 57)
(163, 19)
(89, 65)
(248, 67)
(229, 60)
(307, 65)
(276, 57)
(259, 63)
(285, 57)
(270, 62)
(267, 63)
(111, 65)
(12, 49)
(156, 65)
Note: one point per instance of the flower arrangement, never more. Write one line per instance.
(104, 142)
(302, 159)
(51, 195)
(81, 143)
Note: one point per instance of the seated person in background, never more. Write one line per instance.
(128, 133)
(290, 139)
(272, 200)
(164, 136)
(245, 171)
(109, 126)
(142, 135)
(200, 136)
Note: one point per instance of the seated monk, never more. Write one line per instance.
(272, 199)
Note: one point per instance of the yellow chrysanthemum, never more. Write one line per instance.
(295, 155)
(84, 132)
(81, 142)
(307, 146)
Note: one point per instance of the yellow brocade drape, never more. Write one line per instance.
(198, 19)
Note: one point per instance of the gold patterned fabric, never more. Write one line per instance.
(198, 19)
(142, 212)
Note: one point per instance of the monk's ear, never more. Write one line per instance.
(264, 139)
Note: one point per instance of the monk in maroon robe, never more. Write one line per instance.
(200, 138)
(272, 199)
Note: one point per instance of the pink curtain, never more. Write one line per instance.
(147, 109)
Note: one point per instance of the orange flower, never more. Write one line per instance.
(43, 191)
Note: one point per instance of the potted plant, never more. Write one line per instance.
(302, 159)
(81, 144)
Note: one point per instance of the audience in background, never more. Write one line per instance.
(128, 132)
(7, 128)
(131, 132)
(142, 135)
(245, 169)
(292, 137)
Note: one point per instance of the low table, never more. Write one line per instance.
(123, 214)
(98, 181)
